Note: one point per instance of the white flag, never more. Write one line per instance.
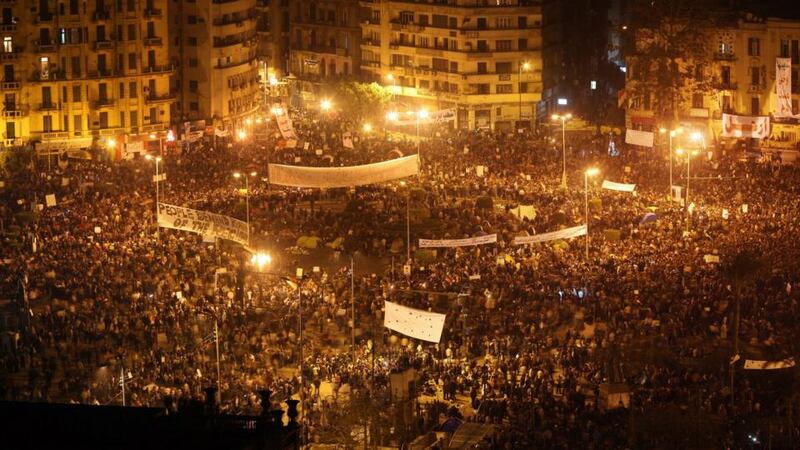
(479, 240)
(415, 323)
(566, 233)
(347, 140)
(755, 364)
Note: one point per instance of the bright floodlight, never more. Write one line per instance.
(152, 135)
(241, 135)
(367, 128)
(679, 151)
(112, 143)
(392, 116)
(592, 171)
(252, 174)
(276, 111)
(662, 130)
(526, 66)
(568, 116)
(248, 121)
(555, 117)
(148, 157)
(697, 136)
(170, 136)
(422, 113)
(273, 81)
(260, 259)
(325, 105)
(237, 175)
(390, 77)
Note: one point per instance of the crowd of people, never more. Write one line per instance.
(641, 343)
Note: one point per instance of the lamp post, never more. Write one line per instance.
(408, 223)
(522, 66)
(563, 118)
(391, 79)
(157, 179)
(689, 155)
(586, 174)
(247, 197)
(672, 133)
(421, 114)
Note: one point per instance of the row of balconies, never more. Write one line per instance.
(52, 45)
(227, 41)
(61, 75)
(228, 20)
(396, 44)
(98, 15)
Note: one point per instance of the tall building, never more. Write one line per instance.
(78, 74)
(215, 43)
(483, 58)
(737, 77)
(273, 33)
(325, 38)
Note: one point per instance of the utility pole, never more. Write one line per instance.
(122, 382)
(352, 309)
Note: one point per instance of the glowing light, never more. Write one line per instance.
(526, 66)
(697, 136)
(237, 175)
(248, 121)
(592, 171)
(242, 135)
(325, 105)
(392, 116)
(170, 136)
(112, 143)
(261, 259)
(367, 128)
(422, 114)
(273, 81)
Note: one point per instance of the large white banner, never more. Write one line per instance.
(415, 323)
(566, 233)
(467, 242)
(745, 126)
(636, 137)
(756, 364)
(333, 177)
(441, 116)
(622, 187)
(208, 224)
(783, 88)
(285, 126)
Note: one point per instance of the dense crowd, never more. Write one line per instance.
(536, 338)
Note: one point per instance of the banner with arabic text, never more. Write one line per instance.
(202, 222)
(745, 126)
(641, 138)
(621, 187)
(285, 126)
(566, 233)
(334, 177)
(414, 323)
(449, 243)
(443, 115)
(783, 88)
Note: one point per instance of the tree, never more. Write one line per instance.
(670, 51)
(357, 100)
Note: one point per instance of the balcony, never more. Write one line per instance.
(238, 19)
(102, 103)
(165, 68)
(11, 56)
(725, 86)
(8, 27)
(49, 106)
(152, 13)
(166, 98)
(724, 56)
(104, 73)
(103, 45)
(45, 46)
(50, 75)
(152, 42)
(755, 88)
(44, 18)
(10, 85)
(371, 42)
(14, 111)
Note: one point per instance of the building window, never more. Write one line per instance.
(453, 66)
(8, 44)
(103, 119)
(505, 22)
(122, 90)
(77, 124)
(504, 89)
(193, 62)
(754, 47)
(502, 67)
(482, 46)
(192, 41)
(134, 115)
(131, 5)
(131, 61)
(725, 75)
(522, 44)
(132, 92)
(481, 67)
(122, 118)
(784, 50)
(440, 65)
(503, 46)
(406, 17)
(755, 76)
(131, 31)
(191, 19)
(755, 106)
(697, 100)
(47, 124)
(482, 88)
(375, 17)
(194, 106)
(193, 85)
(726, 104)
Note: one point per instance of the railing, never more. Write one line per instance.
(103, 103)
(160, 98)
(152, 41)
(102, 14)
(100, 73)
(11, 111)
(9, 56)
(103, 45)
(725, 86)
(45, 47)
(51, 75)
(724, 56)
(10, 85)
(49, 106)
(152, 12)
(8, 27)
(159, 69)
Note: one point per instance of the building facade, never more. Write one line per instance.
(741, 69)
(215, 44)
(325, 38)
(78, 74)
(482, 58)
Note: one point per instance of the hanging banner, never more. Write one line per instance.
(755, 364)
(641, 138)
(194, 136)
(202, 222)
(220, 133)
(347, 140)
(783, 88)
(621, 187)
(415, 323)
(745, 126)
(333, 177)
(285, 126)
(449, 243)
(441, 116)
(566, 233)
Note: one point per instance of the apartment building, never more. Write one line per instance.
(325, 38)
(742, 69)
(483, 58)
(273, 32)
(215, 43)
(84, 73)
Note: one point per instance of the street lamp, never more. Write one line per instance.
(238, 175)
(672, 133)
(563, 118)
(391, 79)
(260, 259)
(367, 127)
(689, 155)
(522, 67)
(241, 135)
(392, 116)
(408, 223)
(157, 159)
(586, 174)
(325, 105)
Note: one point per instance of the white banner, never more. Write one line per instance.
(285, 126)
(566, 233)
(622, 187)
(467, 242)
(333, 177)
(783, 88)
(755, 364)
(219, 132)
(745, 126)
(202, 222)
(415, 323)
(160, 177)
(443, 115)
(524, 212)
(636, 137)
(194, 136)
